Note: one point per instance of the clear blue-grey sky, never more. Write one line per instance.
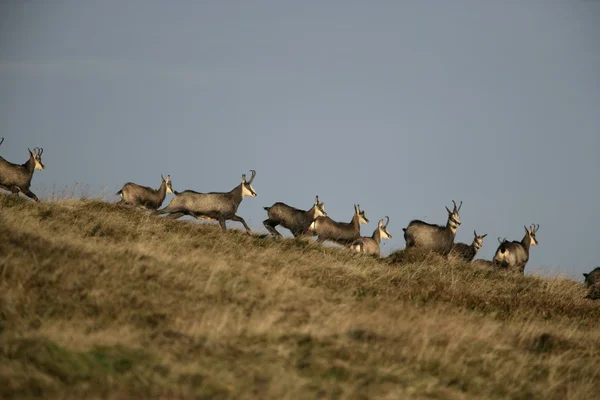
(399, 106)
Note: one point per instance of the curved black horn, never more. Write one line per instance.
(387, 221)
(459, 206)
(41, 151)
(253, 175)
(1, 140)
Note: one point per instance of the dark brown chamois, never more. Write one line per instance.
(297, 221)
(145, 197)
(343, 233)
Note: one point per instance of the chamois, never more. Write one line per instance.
(514, 255)
(17, 178)
(592, 281)
(370, 245)
(431, 237)
(145, 197)
(465, 252)
(297, 221)
(220, 206)
(343, 233)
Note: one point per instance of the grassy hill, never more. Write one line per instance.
(100, 301)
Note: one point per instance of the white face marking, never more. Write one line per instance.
(246, 192)
(362, 219)
(38, 165)
(384, 234)
(533, 242)
(318, 211)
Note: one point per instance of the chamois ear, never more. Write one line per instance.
(317, 199)
(484, 235)
(380, 223)
(243, 178)
(526, 230)
(449, 212)
(30, 153)
(162, 177)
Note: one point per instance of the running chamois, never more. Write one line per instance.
(145, 197)
(343, 233)
(17, 177)
(219, 206)
(297, 221)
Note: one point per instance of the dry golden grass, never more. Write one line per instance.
(100, 301)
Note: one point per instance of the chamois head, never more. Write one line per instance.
(247, 189)
(478, 241)
(36, 155)
(320, 208)
(531, 231)
(453, 217)
(362, 218)
(167, 182)
(383, 232)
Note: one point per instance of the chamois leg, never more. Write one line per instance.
(169, 210)
(237, 218)
(222, 223)
(30, 194)
(270, 225)
(14, 190)
(175, 215)
(320, 239)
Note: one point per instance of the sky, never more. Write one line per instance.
(399, 106)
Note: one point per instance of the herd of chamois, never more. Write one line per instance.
(223, 206)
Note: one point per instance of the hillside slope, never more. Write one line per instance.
(100, 301)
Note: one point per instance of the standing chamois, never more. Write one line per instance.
(145, 197)
(435, 238)
(514, 255)
(370, 245)
(17, 178)
(465, 252)
(220, 206)
(343, 233)
(297, 221)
